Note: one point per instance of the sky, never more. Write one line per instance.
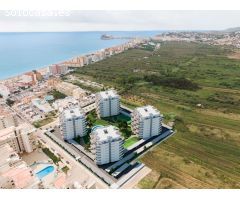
(43, 21)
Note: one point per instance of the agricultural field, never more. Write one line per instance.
(197, 89)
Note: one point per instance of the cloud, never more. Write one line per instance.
(120, 20)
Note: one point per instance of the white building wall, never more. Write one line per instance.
(68, 129)
(146, 122)
(115, 106)
(156, 125)
(80, 127)
(73, 124)
(4, 91)
(107, 147)
(107, 104)
(26, 143)
(102, 154)
(116, 150)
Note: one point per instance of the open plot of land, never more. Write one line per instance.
(196, 86)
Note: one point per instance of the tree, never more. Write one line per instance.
(9, 102)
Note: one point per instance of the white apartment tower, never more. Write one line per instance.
(146, 122)
(73, 123)
(107, 103)
(106, 145)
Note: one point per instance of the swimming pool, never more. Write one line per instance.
(96, 127)
(44, 172)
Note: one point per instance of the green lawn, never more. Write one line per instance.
(121, 121)
(57, 95)
(43, 122)
(130, 141)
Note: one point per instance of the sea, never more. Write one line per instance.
(23, 52)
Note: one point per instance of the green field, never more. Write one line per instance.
(195, 86)
(49, 118)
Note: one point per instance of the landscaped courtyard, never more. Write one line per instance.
(120, 121)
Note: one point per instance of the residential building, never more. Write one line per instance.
(21, 138)
(79, 93)
(66, 88)
(14, 172)
(146, 122)
(73, 123)
(106, 144)
(4, 90)
(58, 69)
(42, 105)
(7, 117)
(30, 78)
(66, 103)
(107, 103)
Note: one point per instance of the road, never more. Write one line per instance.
(79, 171)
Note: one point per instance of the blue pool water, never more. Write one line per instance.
(44, 172)
(96, 127)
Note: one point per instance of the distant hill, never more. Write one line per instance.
(235, 29)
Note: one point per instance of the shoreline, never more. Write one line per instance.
(44, 69)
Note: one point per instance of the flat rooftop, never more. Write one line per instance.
(73, 112)
(106, 132)
(108, 94)
(6, 133)
(147, 111)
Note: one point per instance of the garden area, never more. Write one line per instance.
(85, 140)
(57, 95)
(121, 121)
(51, 155)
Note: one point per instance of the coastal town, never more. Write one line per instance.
(55, 133)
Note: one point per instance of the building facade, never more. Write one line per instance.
(106, 145)
(73, 123)
(14, 172)
(8, 120)
(107, 103)
(146, 122)
(66, 88)
(21, 138)
(58, 70)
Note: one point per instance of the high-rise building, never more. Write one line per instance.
(107, 103)
(58, 69)
(73, 123)
(106, 145)
(21, 138)
(146, 122)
